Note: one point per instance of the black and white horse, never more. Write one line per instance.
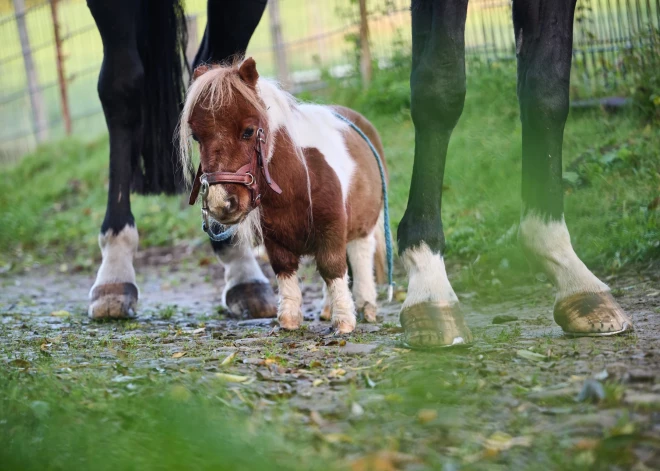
(141, 88)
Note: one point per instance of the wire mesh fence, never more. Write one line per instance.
(317, 37)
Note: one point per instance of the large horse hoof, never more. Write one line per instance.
(253, 300)
(591, 315)
(113, 301)
(431, 325)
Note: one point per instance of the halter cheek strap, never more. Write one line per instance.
(247, 175)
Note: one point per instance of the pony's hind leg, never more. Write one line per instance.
(326, 310)
(544, 33)
(361, 257)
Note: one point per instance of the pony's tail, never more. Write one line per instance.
(380, 256)
(161, 45)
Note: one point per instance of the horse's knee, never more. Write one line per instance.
(437, 94)
(120, 87)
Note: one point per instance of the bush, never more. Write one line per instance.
(643, 61)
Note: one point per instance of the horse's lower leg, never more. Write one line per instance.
(361, 258)
(228, 31)
(115, 293)
(544, 33)
(430, 315)
(247, 291)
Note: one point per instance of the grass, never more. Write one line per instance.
(52, 203)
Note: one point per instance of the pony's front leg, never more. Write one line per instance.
(331, 263)
(285, 265)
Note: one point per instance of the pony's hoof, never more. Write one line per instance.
(255, 300)
(591, 315)
(368, 312)
(431, 325)
(344, 324)
(290, 321)
(113, 301)
(326, 313)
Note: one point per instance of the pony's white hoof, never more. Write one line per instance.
(344, 324)
(113, 301)
(290, 321)
(326, 313)
(369, 312)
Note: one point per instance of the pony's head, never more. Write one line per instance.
(222, 113)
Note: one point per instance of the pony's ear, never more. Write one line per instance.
(200, 70)
(248, 72)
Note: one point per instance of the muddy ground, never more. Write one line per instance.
(522, 396)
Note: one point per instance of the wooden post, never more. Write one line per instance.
(39, 120)
(279, 52)
(193, 40)
(61, 77)
(365, 50)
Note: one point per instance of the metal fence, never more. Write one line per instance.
(51, 52)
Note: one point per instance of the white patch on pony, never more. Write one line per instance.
(361, 257)
(343, 308)
(309, 125)
(427, 277)
(289, 314)
(549, 244)
(117, 251)
(241, 266)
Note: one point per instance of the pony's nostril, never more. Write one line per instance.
(232, 204)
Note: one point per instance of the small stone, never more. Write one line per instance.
(643, 399)
(358, 348)
(592, 391)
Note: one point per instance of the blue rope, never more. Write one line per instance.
(219, 236)
(386, 206)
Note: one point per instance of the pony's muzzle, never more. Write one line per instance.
(224, 207)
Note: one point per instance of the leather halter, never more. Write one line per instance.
(247, 175)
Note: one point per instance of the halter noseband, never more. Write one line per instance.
(247, 175)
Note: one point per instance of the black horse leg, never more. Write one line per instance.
(430, 315)
(115, 293)
(228, 31)
(544, 38)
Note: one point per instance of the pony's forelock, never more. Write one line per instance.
(216, 88)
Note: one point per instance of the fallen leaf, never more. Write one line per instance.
(60, 313)
(384, 460)
(356, 410)
(198, 331)
(336, 373)
(586, 444)
(179, 354)
(229, 359)
(531, 356)
(231, 378)
(368, 381)
(20, 363)
(337, 438)
(501, 441)
(315, 417)
(317, 382)
(424, 416)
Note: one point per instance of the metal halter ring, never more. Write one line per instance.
(251, 181)
(204, 190)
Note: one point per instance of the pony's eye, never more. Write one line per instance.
(247, 134)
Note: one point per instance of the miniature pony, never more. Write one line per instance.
(295, 176)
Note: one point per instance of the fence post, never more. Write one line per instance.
(365, 51)
(39, 120)
(61, 77)
(279, 51)
(193, 40)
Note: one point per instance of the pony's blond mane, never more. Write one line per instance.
(217, 88)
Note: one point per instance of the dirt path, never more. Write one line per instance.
(522, 395)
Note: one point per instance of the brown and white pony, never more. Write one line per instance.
(331, 196)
